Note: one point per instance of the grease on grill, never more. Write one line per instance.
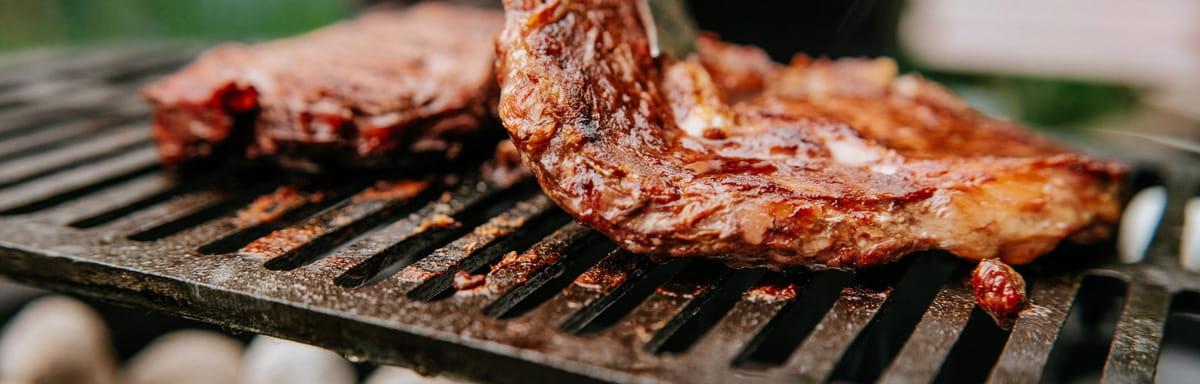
(413, 274)
(271, 207)
(772, 291)
(455, 254)
(523, 264)
(288, 239)
(392, 190)
(683, 291)
(855, 294)
(601, 279)
(494, 228)
(283, 240)
(438, 221)
(464, 281)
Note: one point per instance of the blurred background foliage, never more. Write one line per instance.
(1042, 102)
(31, 23)
(1034, 100)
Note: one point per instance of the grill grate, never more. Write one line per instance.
(85, 209)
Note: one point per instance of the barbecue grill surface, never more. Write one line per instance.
(85, 208)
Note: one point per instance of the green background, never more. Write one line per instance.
(31, 23)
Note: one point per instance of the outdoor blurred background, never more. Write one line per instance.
(1057, 64)
(32, 23)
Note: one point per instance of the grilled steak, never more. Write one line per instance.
(726, 155)
(386, 88)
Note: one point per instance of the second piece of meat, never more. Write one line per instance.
(386, 89)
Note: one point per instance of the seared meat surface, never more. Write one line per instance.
(999, 290)
(388, 87)
(726, 155)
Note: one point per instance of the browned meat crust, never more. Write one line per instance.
(728, 156)
(999, 291)
(389, 85)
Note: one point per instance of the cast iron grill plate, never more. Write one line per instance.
(87, 210)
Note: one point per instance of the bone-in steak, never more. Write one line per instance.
(726, 155)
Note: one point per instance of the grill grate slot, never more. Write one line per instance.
(814, 360)
(784, 332)
(81, 103)
(423, 231)
(298, 245)
(703, 312)
(972, 357)
(59, 136)
(1138, 334)
(938, 331)
(658, 312)
(513, 275)
(166, 202)
(210, 205)
(267, 213)
(1034, 333)
(145, 199)
(73, 156)
(599, 282)
(31, 59)
(1145, 176)
(78, 65)
(875, 346)
(25, 121)
(63, 186)
(641, 280)
(113, 202)
(540, 284)
(138, 70)
(516, 229)
(1181, 344)
(720, 344)
(1079, 351)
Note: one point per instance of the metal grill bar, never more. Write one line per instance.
(230, 233)
(617, 270)
(398, 245)
(81, 103)
(57, 160)
(726, 338)
(816, 357)
(619, 277)
(1034, 333)
(172, 209)
(118, 58)
(73, 183)
(940, 327)
(655, 313)
(1134, 353)
(520, 275)
(117, 75)
(58, 136)
(84, 209)
(108, 204)
(301, 244)
(432, 274)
